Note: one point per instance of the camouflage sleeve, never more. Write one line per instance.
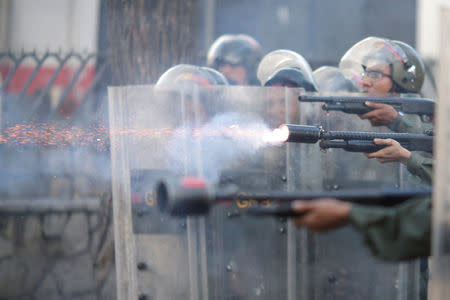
(421, 164)
(397, 233)
(410, 124)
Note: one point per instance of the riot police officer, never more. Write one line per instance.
(383, 67)
(391, 67)
(237, 57)
(378, 58)
(288, 69)
(402, 232)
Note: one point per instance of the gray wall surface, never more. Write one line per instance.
(319, 30)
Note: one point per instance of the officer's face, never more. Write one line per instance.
(276, 109)
(377, 80)
(234, 73)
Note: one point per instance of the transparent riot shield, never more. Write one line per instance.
(216, 133)
(413, 275)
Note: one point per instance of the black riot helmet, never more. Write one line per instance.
(407, 68)
(286, 68)
(236, 50)
(331, 79)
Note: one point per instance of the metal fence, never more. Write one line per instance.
(78, 63)
(50, 94)
(55, 228)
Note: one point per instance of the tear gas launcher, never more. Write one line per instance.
(185, 196)
(356, 105)
(352, 141)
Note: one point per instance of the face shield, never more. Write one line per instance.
(291, 78)
(377, 57)
(331, 79)
(286, 67)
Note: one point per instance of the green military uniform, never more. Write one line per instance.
(397, 233)
(400, 232)
(421, 165)
(404, 231)
(410, 124)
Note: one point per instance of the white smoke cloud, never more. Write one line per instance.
(220, 143)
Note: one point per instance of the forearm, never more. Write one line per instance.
(421, 165)
(398, 233)
(410, 124)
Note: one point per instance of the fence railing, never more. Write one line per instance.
(60, 64)
(26, 96)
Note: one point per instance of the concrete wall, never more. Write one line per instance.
(428, 41)
(428, 27)
(319, 30)
(56, 257)
(53, 24)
